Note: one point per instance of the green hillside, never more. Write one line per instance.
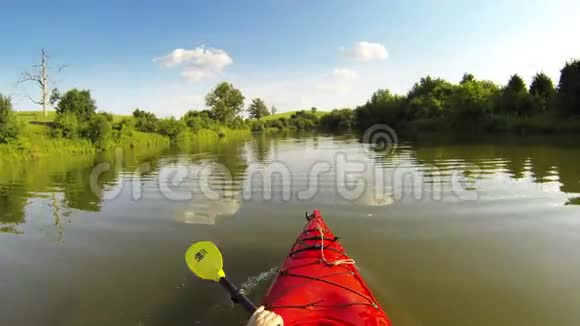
(288, 114)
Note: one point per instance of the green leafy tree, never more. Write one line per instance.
(313, 109)
(515, 98)
(542, 91)
(542, 85)
(274, 110)
(383, 107)
(516, 84)
(467, 78)
(9, 126)
(258, 109)
(428, 98)
(569, 88)
(226, 102)
(381, 96)
(471, 102)
(77, 102)
(145, 121)
(338, 120)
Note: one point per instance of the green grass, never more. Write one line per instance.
(36, 140)
(138, 139)
(288, 114)
(37, 116)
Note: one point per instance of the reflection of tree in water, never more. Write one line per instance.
(78, 193)
(563, 162)
(542, 166)
(546, 161)
(261, 146)
(229, 152)
(516, 162)
(65, 182)
(231, 155)
(573, 201)
(569, 172)
(13, 200)
(59, 216)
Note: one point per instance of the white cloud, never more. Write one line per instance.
(196, 74)
(366, 51)
(198, 63)
(339, 81)
(344, 74)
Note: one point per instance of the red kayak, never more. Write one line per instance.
(319, 284)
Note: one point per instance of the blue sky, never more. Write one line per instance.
(294, 54)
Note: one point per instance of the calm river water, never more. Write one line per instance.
(446, 230)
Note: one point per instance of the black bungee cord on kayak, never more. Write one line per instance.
(330, 264)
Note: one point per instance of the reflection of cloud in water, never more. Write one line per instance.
(376, 198)
(216, 194)
(206, 211)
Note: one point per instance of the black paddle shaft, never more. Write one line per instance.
(237, 295)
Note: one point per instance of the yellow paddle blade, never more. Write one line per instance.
(205, 260)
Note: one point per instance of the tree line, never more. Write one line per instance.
(434, 103)
(77, 117)
(431, 104)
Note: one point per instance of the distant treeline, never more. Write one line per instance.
(431, 104)
(436, 104)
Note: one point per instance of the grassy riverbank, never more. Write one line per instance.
(37, 139)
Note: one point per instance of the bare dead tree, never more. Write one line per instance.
(40, 77)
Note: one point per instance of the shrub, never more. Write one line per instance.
(343, 120)
(67, 125)
(237, 123)
(77, 102)
(303, 120)
(171, 128)
(126, 124)
(145, 121)
(108, 116)
(277, 123)
(9, 126)
(196, 120)
(257, 126)
(99, 130)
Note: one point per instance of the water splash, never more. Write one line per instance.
(253, 281)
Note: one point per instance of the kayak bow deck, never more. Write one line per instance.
(319, 284)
